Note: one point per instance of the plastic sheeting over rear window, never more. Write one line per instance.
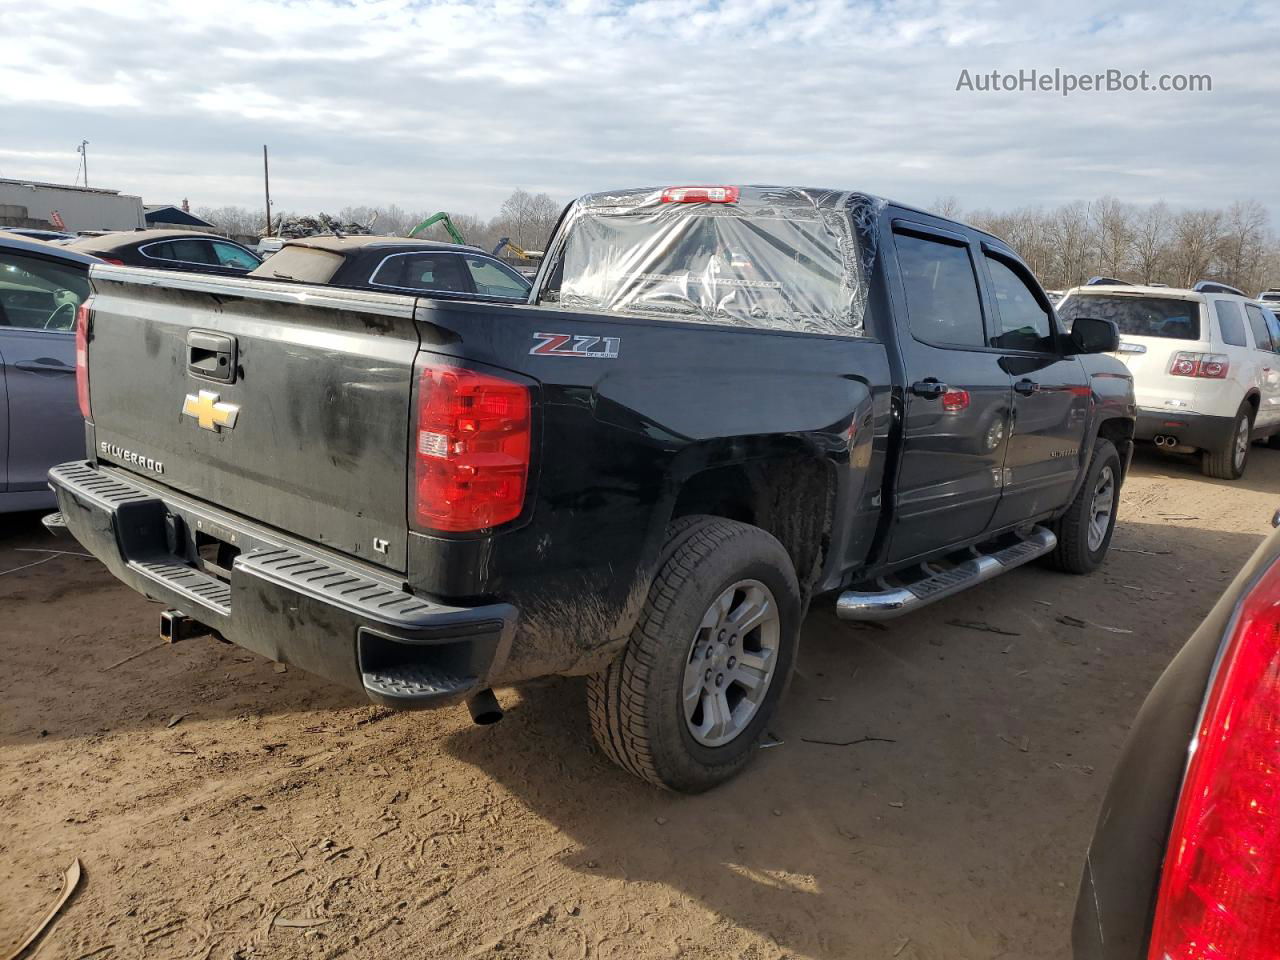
(779, 258)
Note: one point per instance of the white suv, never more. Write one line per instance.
(1205, 364)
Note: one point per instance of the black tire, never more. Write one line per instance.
(1273, 441)
(1073, 553)
(636, 703)
(1223, 462)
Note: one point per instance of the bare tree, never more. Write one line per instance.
(1151, 241)
(527, 218)
(1197, 235)
(1114, 231)
(948, 206)
(1242, 248)
(234, 221)
(1072, 242)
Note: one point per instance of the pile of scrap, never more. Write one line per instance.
(292, 228)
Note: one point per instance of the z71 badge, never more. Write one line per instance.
(576, 345)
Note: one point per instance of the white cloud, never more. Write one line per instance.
(452, 104)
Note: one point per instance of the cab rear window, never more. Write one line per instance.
(771, 259)
(1138, 316)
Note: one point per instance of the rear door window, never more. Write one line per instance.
(1230, 323)
(1025, 322)
(422, 271)
(1273, 324)
(181, 251)
(494, 280)
(1164, 317)
(229, 255)
(1258, 324)
(942, 291)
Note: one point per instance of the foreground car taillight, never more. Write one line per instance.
(82, 359)
(1208, 366)
(472, 443)
(1220, 890)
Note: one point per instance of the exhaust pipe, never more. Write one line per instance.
(484, 707)
(1162, 440)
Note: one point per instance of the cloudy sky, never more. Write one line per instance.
(450, 105)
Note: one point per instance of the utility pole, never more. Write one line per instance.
(84, 159)
(266, 186)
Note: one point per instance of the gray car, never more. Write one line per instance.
(41, 287)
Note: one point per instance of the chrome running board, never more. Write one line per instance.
(896, 601)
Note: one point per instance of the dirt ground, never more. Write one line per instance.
(225, 807)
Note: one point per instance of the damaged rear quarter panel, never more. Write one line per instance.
(618, 438)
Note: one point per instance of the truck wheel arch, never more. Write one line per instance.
(789, 496)
(1119, 430)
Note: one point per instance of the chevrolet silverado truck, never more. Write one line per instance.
(717, 404)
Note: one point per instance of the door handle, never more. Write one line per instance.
(45, 366)
(929, 389)
(1026, 387)
(211, 355)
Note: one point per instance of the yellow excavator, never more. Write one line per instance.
(518, 250)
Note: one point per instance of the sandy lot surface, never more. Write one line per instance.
(224, 808)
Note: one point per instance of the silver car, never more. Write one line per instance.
(41, 287)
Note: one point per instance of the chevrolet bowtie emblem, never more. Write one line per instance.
(205, 409)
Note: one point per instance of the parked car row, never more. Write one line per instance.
(356, 262)
(1205, 364)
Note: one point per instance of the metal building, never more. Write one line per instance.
(29, 203)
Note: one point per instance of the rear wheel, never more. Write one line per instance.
(1227, 460)
(686, 702)
(1273, 441)
(1084, 531)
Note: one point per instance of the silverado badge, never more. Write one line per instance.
(205, 409)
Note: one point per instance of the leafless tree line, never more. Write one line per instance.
(526, 218)
(1067, 245)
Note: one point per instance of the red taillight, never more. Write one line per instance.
(471, 443)
(700, 195)
(1220, 890)
(955, 400)
(82, 359)
(1209, 366)
(118, 263)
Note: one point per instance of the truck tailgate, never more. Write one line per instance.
(284, 404)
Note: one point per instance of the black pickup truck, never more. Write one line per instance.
(717, 404)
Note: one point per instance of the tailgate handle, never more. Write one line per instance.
(211, 356)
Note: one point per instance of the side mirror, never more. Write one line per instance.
(1091, 335)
